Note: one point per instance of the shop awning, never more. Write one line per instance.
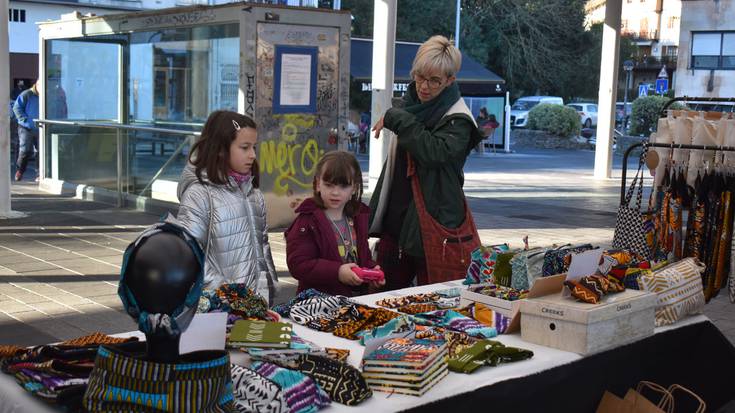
(474, 78)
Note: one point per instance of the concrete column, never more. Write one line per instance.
(609, 65)
(384, 43)
(5, 211)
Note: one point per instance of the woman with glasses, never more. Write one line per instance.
(436, 131)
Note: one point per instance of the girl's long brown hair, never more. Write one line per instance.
(211, 153)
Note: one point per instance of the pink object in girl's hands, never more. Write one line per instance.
(368, 274)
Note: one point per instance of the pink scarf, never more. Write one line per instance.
(238, 177)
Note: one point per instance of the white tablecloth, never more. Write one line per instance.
(14, 399)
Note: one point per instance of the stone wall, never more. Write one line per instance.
(523, 138)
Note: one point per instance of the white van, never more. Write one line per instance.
(519, 110)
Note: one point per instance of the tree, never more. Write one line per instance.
(416, 20)
(533, 44)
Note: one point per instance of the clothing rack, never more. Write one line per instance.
(623, 183)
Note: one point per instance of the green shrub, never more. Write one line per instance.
(556, 119)
(645, 113)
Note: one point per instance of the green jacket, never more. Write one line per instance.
(439, 155)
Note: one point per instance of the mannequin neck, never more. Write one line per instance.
(163, 349)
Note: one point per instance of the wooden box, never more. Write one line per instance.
(542, 286)
(567, 324)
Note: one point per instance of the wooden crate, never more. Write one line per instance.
(571, 325)
(542, 286)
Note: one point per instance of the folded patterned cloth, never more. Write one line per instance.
(285, 308)
(417, 308)
(395, 302)
(301, 393)
(254, 393)
(455, 321)
(97, 339)
(485, 353)
(487, 316)
(317, 307)
(10, 351)
(234, 299)
(372, 317)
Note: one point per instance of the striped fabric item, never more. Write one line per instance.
(317, 307)
(487, 316)
(452, 320)
(122, 383)
(285, 308)
(301, 392)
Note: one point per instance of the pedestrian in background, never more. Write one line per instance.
(436, 129)
(25, 109)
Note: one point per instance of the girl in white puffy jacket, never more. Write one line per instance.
(222, 207)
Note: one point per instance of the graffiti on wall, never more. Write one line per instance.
(292, 157)
(250, 95)
(192, 17)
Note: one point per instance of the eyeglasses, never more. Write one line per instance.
(433, 82)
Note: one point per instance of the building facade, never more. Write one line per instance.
(653, 26)
(707, 49)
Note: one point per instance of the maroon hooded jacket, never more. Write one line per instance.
(311, 249)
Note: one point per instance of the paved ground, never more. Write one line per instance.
(59, 265)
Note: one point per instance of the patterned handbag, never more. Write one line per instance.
(679, 290)
(557, 260)
(629, 227)
(526, 267)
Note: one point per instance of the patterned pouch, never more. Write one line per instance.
(526, 267)
(255, 393)
(344, 383)
(679, 289)
(557, 260)
(301, 393)
(482, 266)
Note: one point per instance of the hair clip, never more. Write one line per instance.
(235, 124)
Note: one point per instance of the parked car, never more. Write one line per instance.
(587, 113)
(519, 110)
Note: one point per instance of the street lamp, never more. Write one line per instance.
(628, 66)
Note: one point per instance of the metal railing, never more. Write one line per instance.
(119, 146)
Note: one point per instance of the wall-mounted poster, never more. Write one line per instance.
(294, 86)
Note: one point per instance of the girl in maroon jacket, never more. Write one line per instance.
(330, 234)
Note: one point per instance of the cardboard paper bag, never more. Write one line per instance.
(633, 402)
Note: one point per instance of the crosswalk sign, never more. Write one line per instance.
(662, 86)
(642, 91)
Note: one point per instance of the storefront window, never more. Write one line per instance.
(82, 80)
(179, 76)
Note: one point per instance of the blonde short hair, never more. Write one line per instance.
(437, 53)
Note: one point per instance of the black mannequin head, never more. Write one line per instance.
(160, 274)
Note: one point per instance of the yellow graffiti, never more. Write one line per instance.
(281, 157)
(290, 160)
(293, 123)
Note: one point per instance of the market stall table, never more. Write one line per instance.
(552, 380)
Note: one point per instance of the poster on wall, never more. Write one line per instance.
(488, 112)
(294, 86)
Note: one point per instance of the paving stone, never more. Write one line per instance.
(13, 307)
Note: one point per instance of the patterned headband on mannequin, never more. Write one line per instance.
(179, 319)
